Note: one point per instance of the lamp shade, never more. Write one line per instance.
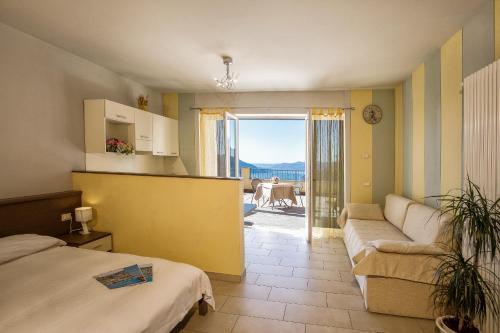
(83, 214)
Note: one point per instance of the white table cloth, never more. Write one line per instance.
(275, 192)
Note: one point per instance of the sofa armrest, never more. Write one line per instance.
(359, 211)
(342, 219)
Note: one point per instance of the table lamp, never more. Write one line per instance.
(83, 215)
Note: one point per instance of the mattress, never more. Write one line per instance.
(54, 291)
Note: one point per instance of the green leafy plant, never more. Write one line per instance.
(465, 288)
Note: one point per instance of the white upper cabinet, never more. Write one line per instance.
(147, 132)
(160, 130)
(119, 112)
(173, 137)
(143, 131)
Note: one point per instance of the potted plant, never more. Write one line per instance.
(465, 288)
(114, 145)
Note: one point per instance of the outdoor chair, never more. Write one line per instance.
(297, 187)
(254, 183)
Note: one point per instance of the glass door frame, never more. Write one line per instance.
(227, 118)
(309, 159)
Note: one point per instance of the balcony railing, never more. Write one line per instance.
(287, 175)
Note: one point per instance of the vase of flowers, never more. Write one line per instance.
(466, 289)
(114, 145)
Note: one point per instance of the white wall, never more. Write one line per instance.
(42, 89)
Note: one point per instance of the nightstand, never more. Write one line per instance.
(96, 240)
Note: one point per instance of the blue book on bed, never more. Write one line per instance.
(127, 276)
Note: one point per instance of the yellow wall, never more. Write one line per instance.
(418, 92)
(398, 140)
(361, 148)
(196, 221)
(171, 105)
(451, 113)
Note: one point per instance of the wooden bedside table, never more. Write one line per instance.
(96, 240)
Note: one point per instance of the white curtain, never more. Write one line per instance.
(209, 153)
(482, 140)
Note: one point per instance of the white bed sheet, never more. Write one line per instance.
(54, 291)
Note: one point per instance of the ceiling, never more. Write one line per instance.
(276, 45)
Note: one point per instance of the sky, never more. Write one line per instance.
(272, 141)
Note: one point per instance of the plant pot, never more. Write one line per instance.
(441, 325)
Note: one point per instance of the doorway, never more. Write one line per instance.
(323, 187)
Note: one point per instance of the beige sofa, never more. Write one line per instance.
(393, 253)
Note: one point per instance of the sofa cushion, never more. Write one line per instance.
(395, 209)
(357, 233)
(363, 211)
(423, 224)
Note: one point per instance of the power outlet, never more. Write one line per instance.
(66, 217)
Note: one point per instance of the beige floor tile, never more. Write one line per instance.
(335, 287)
(254, 308)
(257, 252)
(260, 325)
(317, 315)
(330, 257)
(253, 245)
(253, 259)
(296, 296)
(329, 329)
(289, 254)
(282, 247)
(302, 263)
(212, 322)
(282, 281)
(219, 301)
(348, 302)
(363, 320)
(324, 250)
(319, 274)
(338, 266)
(250, 278)
(270, 269)
(347, 276)
(242, 290)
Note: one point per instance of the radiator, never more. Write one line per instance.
(481, 142)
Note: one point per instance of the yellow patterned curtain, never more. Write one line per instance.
(211, 139)
(327, 166)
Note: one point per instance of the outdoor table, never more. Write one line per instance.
(275, 192)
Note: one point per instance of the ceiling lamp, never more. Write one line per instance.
(229, 79)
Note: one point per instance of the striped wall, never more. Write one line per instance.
(372, 147)
(432, 108)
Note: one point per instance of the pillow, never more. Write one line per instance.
(365, 212)
(18, 246)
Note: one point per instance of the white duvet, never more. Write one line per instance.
(54, 291)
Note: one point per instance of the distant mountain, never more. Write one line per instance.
(244, 164)
(282, 166)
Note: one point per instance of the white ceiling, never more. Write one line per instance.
(276, 44)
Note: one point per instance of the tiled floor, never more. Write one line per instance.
(295, 287)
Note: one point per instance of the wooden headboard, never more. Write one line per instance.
(38, 214)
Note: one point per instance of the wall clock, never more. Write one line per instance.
(372, 114)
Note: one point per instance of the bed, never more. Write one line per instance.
(46, 286)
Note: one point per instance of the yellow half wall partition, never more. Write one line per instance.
(198, 221)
